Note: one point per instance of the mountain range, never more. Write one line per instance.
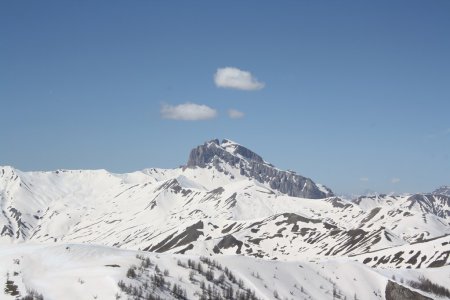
(281, 234)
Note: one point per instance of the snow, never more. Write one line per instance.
(65, 227)
(71, 271)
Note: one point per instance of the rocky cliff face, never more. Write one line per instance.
(395, 291)
(250, 164)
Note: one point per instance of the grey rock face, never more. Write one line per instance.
(252, 165)
(395, 291)
(436, 204)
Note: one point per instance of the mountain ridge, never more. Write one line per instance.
(252, 165)
(218, 206)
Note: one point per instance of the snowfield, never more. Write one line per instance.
(74, 271)
(92, 234)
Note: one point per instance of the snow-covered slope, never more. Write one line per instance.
(76, 272)
(227, 200)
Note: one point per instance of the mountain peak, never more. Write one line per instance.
(252, 165)
(228, 150)
(240, 151)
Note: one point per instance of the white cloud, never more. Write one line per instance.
(395, 180)
(439, 134)
(235, 114)
(234, 78)
(188, 112)
(364, 179)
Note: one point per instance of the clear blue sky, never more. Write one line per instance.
(356, 95)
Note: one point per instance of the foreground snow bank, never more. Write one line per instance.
(74, 271)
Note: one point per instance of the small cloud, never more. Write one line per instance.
(234, 78)
(235, 114)
(365, 179)
(395, 180)
(187, 112)
(439, 134)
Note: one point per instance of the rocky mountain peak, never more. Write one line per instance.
(240, 151)
(252, 165)
(227, 150)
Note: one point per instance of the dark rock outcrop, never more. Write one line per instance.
(395, 291)
(191, 234)
(228, 241)
(250, 164)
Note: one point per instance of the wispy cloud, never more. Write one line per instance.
(235, 114)
(395, 180)
(187, 112)
(364, 179)
(439, 134)
(235, 78)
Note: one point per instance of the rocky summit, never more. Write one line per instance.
(250, 164)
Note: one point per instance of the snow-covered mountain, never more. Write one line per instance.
(226, 203)
(443, 190)
(228, 154)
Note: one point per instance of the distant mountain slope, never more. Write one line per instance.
(443, 190)
(431, 254)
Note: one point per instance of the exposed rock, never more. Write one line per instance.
(228, 241)
(191, 234)
(252, 165)
(436, 204)
(395, 291)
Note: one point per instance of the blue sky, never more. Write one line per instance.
(354, 94)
